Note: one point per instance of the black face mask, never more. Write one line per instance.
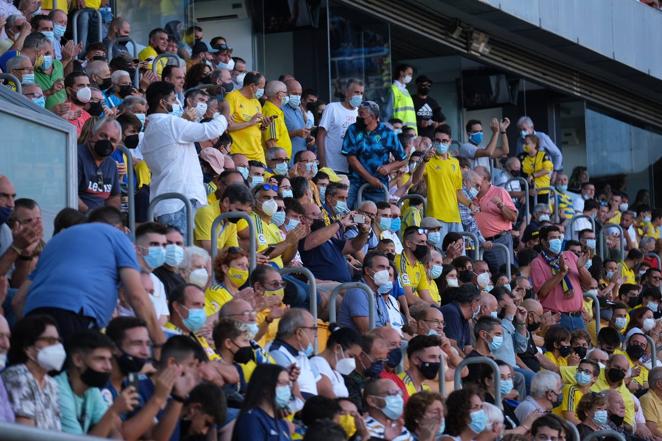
(420, 251)
(615, 375)
(532, 327)
(95, 378)
(125, 91)
(390, 256)
(167, 107)
(394, 358)
(617, 420)
(310, 107)
(99, 58)
(244, 355)
(95, 109)
(635, 352)
(129, 364)
(234, 220)
(515, 173)
(131, 141)
(103, 148)
(565, 351)
(580, 351)
(423, 90)
(633, 301)
(360, 123)
(228, 87)
(429, 369)
(106, 83)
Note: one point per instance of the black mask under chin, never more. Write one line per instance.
(617, 420)
(125, 91)
(129, 364)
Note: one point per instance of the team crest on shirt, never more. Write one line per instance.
(404, 279)
(261, 239)
(378, 138)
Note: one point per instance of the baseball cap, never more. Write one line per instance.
(333, 177)
(430, 223)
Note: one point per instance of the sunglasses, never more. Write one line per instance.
(269, 187)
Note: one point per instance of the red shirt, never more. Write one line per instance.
(556, 300)
(490, 220)
(81, 120)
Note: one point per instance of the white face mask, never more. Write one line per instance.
(452, 283)
(200, 110)
(269, 207)
(407, 79)
(649, 324)
(346, 366)
(51, 358)
(84, 95)
(381, 278)
(199, 277)
(483, 280)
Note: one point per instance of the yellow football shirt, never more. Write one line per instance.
(247, 141)
(277, 130)
(535, 164)
(444, 179)
(411, 275)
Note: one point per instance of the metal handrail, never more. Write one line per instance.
(572, 429)
(131, 191)
(417, 197)
(523, 182)
(509, 259)
(603, 433)
(658, 258)
(252, 245)
(481, 360)
(167, 55)
(13, 79)
(580, 216)
(353, 285)
(312, 291)
(126, 39)
(603, 242)
(187, 206)
(359, 196)
(653, 349)
(557, 215)
(476, 243)
(20, 432)
(442, 376)
(201, 87)
(596, 308)
(99, 28)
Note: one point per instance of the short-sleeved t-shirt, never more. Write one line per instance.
(247, 141)
(96, 184)
(335, 120)
(427, 109)
(326, 261)
(412, 274)
(204, 219)
(444, 179)
(651, 405)
(355, 303)
(267, 234)
(216, 296)
(79, 270)
(277, 130)
(535, 164)
(256, 424)
(30, 400)
(571, 396)
(79, 414)
(295, 120)
(456, 326)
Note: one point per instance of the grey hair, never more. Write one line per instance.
(544, 381)
(105, 121)
(371, 107)
(95, 67)
(511, 161)
(273, 87)
(191, 251)
(271, 152)
(646, 241)
(35, 41)
(494, 414)
(12, 19)
(469, 175)
(655, 375)
(352, 82)
(131, 101)
(524, 120)
(293, 319)
(368, 204)
(540, 207)
(14, 62)
(118, 75)
(483, 172)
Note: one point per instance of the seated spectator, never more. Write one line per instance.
(465, 417)
(34, 45)
(424, 356)
(121, 87)
(204, 410)
(424, 415)
(587, 374)
(21, 67)
(384, 405)
(232, 344)
(34, 93)
(174, 257)
(547, 427)
(316, 410)
(243, 312)
(592, 411)
(158, 41)
(457, 314)
(337, 359)
(557, 347)
(187, 315)
(35, 350)
(370, 365)
(651, 402)
(411, 265)
(119, 28)
(546, 393)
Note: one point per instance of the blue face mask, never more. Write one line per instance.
(384, 223)
(41, 101)
(384, 289)
(442, 427)
(375, 368)
(286, 194)
(256, 180)
(583, 378)
(589, 264)
(281, 168)
(394, 358)
(441, 148)
(620, 322)
(259, 93)
(291, 225)
(286, 99)
(600, 417)
(356, 100)
(555, 245)
(523, 133)
(496, 343)
(505, 386)
(436, 271)
(322, 193)
(393, 405)
(283, 395)
(562, 188)
(174, 255)
(27, 79)
(196, 319)
(4, 214)
(434, 238)
(473, 192)
(591, 243)
(311, 167)
(341, 208)
(155, 257)
(59, 30)
(476, 138)
(141, 117)
(278, 218)
(478, 421)
(47, 62)
(177, 110)
(396, 224)
(243, 171)
(295, 101)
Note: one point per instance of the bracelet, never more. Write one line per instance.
(27, 258)
(503, 133)
(17, 249)
(177, 398)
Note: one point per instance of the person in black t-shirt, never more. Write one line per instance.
(428, 111)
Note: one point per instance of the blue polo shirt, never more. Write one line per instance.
(295, 120)
(255, 424)
(456, 326)
(79, 271)
(96, 183)
(355, 304)
(326, 261)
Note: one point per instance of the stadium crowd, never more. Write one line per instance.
(138, 335)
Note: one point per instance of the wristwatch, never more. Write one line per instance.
(177, 398)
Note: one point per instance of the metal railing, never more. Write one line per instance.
(252, 245)
(658, 258)
(481, 360)
(557, 215)
(134, 48)
(359, 196)
(604, 433)
(13, 79)
(596, 309)
(20, 432)
(187, 206)
(442, 376)
(474, 241)
(580, 216)
(312, 291)
(416, 197)
(509, 257)
(99, 28)
(572, 429)
(353, 285)
(525, 184)
(131, 191)
(653, 349)
(603, 242)
(170, 57)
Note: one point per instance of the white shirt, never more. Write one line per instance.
(159, 299)
(309, 375)
(335, 120)
(171, 156)
(324, 368)
(6, 238)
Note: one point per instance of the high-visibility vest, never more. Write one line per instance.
(403, 107)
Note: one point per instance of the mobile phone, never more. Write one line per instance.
(133, 380)
(268, 250)
(358, 219)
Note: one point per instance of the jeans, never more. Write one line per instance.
(496, 257)
(178, 219)
(369, 194)
(88, 28)
(571, 322)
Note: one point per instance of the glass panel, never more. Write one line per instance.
(360, 48)
(145, 15)
(35, 160)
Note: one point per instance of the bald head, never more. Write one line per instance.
(7, 192)
(293, 87)
(599, 356)
(532, 305)
(390, 336)
(234, 307)
(312, 211)
(482, 172)
(368, 206)
(488, 303)
(619, 361)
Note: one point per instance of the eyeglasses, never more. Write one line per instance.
(245, 314)
(268, 187)
(279, 160)
(312, 328)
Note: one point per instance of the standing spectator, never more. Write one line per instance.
(369, 146)
(170, 140)
(538, 168)
(471, 185)
(98, 181)
(335, 121)
(35, 350)
(399, 104)
(429, 115)
(245, 117)
(559, 277)
(158, 42)
(50, 77)
(495, 219)
(525, 125)
(295, 118)
(483, 156)
(119, 28)
(276, 133)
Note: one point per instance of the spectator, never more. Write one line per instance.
(651, 402)
(33, 394)
(118, 29)
(196, 103)
(411, 265)
(592, 411)
(399, 104)
(424, 355)
(267, 398)
(277, 162)
(354, 309)
(176, 76)
(34, 47)
(465, 417)
(586, 376)
(429, 114)
(120, 88)
(368, 145)
(471, 185)
(243, 312)
(238, 72)
(295, 118)
(204, 409)
(483, 156)
(370, 365)
(158, 41)
(99, 73)
(87, 301)
(276, 133)
(174, 257)
(333, 125)
(457, 314)
(326, 430)
(294, 343)
(6, 412)
(33, 93)
(245, 117)
(98, 181)
(385, 405)
(424, 415)
(77, 86)
(545, 143)
(231, 269)
(169, 140)
(337, 359)
(547, 427)
(558, 279)
(21, 67)
(546, 393)
(232, 344)
(538, 168)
